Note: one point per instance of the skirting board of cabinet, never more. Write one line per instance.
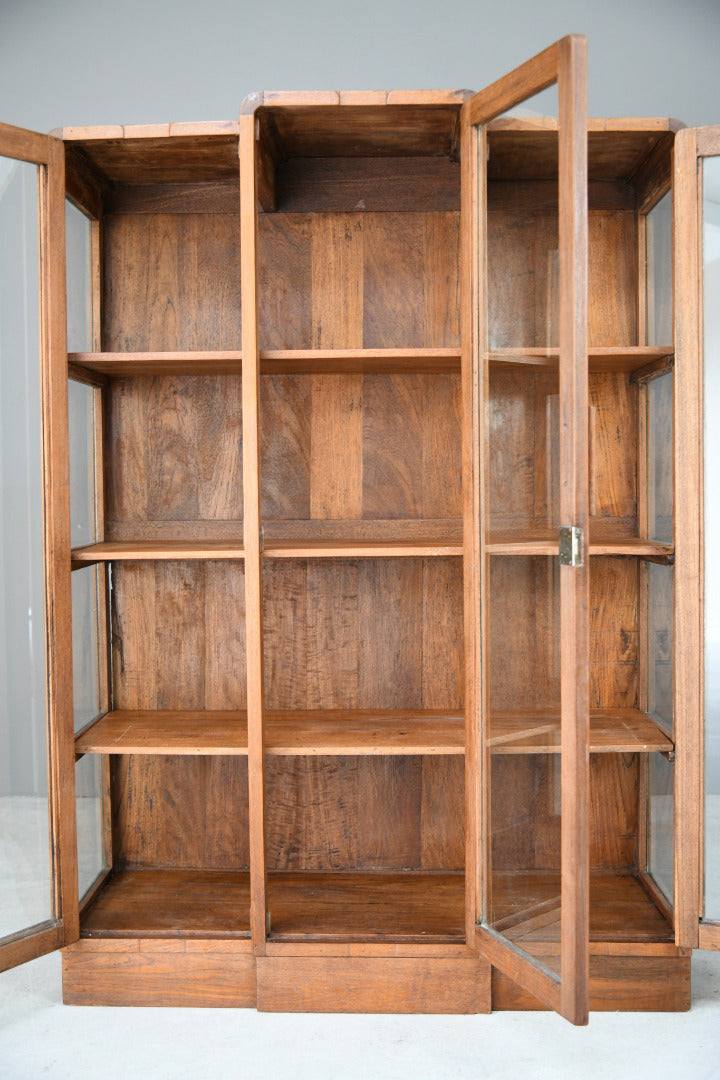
(372, 984)
(168, 972)
(617, 984)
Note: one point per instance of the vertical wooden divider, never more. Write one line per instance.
(58, 604)
(688, 702)
(574, 580)
(471, 516)
(252, 545)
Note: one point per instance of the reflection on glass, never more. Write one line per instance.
(660, 823)
(522, 256)
(79, 280)
(660, 458)
(85, 636)
(89, 808)
(711, 331)
(660, 644)
(659, 262)
(25, 893)
(81, 420)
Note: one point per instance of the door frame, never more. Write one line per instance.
(691, 146)
(48, 154)
(564, 63)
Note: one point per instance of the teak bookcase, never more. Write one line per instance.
(395, 632)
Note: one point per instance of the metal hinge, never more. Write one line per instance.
(571, 545)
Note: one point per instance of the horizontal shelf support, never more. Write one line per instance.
(353, 732)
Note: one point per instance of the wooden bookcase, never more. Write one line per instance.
(344, 683)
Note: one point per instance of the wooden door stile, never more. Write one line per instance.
(252, 543)
(688, 639)
(473, 372)
(574, 581)
(57, 538)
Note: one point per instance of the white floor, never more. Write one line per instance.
(39, 1037)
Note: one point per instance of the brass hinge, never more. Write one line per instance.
(571, 545)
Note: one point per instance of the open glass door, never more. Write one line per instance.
(697, 628)
(38, 880)
(524, 184)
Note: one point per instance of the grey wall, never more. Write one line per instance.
(142, 61)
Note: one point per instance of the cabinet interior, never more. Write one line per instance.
(362, 511)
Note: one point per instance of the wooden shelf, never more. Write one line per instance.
(124, 364)
(353, 548)
(171, 903)
(359, 549)
(134, 550)
(367, 361)
(600, 358)
(297, 733)
(416, 906)
(165, 731)
(546, 543)
(612, 731)
(364, 732)
(408, 906)
(272, 362)
(527, 909)
(347, 906)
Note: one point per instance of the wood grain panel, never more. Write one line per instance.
(285, 436)
(613, 449)
(390, 632)
(370, 615)
(337, 281)
(311, 813)
(389, 812)
(612, 278)
(616, 983)
(145, 972)
(284, 281)
(343, 280)
(443, 813)
(524, 444)
(336, 446)
(394, 300)
(526, 812)
(332, 672)
(175, 624)
(522, 260)
(172, 281)
(393, 413)
(180, 812)
(372, 985)
(174, 451)
(443, 676)
(171, 904)
(524, 644)
(613, 631)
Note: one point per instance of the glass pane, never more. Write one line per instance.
(660, 644)
(85, 635)
(89, 808)
(711, 330)
(522, 245)
(658, 240)
(79, 280)
(25, 882)
(81, 420)
(660, 458)
(522, 663)
(660, 844)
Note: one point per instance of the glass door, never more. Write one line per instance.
(526, 376)
(697, 601)
(38, 883)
